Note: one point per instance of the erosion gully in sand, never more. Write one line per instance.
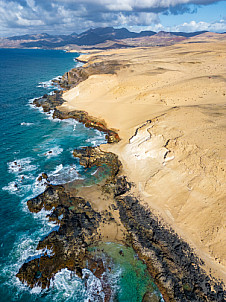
(108, 211)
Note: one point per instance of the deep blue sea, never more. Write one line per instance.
(31, 142)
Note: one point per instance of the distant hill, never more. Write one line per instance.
(188, 35)
(90, 37)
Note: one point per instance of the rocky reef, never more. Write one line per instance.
(68, 245)
(173, 264)
(78, 223)
(89, 121)
(50, 102)
(71, 79)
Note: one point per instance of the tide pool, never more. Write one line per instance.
(31, 143)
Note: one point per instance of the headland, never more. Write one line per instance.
(163, 112)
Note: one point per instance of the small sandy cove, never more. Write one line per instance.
(168, 106)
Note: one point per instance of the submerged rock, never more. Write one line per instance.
(43, 176)
(151, 297)
(78, 224)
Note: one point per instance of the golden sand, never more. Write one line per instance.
(168, 105)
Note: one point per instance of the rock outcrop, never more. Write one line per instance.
(173, 264)
(50, 102)
(66, 247)
(77, 75)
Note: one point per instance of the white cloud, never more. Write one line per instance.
(129, 20)
(218, 26)
(65, 16)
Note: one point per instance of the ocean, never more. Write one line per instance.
(31, 143)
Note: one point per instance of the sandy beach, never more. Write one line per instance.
(168, 106)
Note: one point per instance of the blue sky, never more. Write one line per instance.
(211, 14)
(67, 16)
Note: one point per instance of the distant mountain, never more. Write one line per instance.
(180, 33)
(146, 33)
(90, 37)
(188, 35)
(31, 37)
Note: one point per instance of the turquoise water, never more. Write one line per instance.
(31, 143)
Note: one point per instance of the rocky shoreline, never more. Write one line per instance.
(172, 263)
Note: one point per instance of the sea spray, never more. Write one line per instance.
(33, 143)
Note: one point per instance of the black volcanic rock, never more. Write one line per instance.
(171, 261)
(77, 230)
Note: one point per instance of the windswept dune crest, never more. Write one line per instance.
(168, 105)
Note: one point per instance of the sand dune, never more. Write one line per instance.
(168, 105)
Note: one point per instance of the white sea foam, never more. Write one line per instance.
(26, 124)
(69, 287)
(51, 84)
(93, 286)
(11, 188)
(23, 250)
(98, 139)
(20, 186)
(94, 172)
(70, 121)
(30, 101)
(55, 151)
(57, 78)
(31, 104)
(58, 169)
(43, 84)
(31, 186)
(64, 174)
(36, 290)
(49, 114)
(38, 187)
(47, 84)
(78, 64)
(21, 165)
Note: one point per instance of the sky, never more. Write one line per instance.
(66, 16)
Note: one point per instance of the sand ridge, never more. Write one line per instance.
(168, 105)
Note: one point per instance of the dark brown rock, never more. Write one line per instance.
(77, 75)
(44, 176)
(173, 264)
(78, 224)
(88, 121)
(150, 297)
